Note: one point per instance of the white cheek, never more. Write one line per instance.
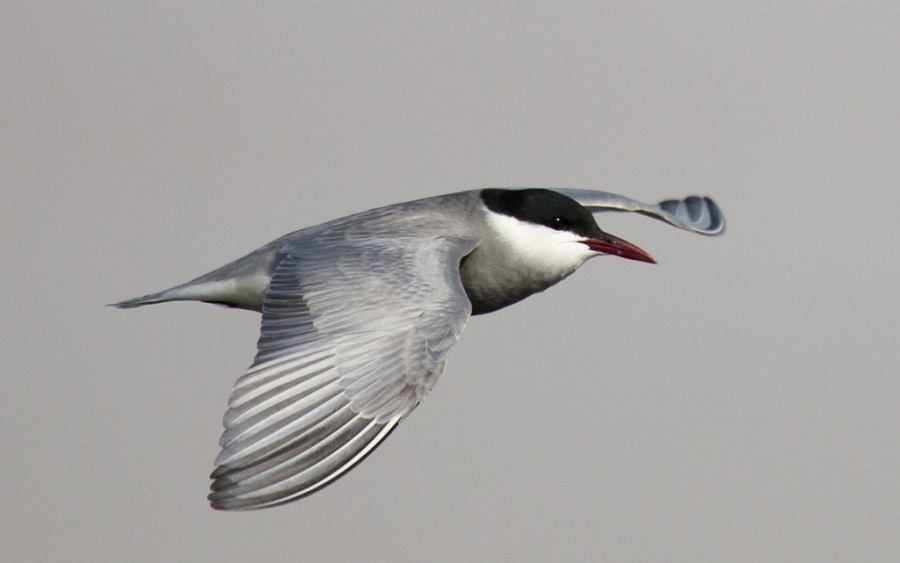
(539, 246)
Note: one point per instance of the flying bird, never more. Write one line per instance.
(360, 313)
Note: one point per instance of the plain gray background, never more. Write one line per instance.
(736, 402)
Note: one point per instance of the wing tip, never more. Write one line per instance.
(223, 487)
(699, 214)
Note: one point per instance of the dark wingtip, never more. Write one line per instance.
(698, 213)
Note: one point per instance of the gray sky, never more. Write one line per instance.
(738, 401)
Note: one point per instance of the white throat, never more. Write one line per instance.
(558, 253)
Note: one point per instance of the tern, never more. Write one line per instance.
(360, 313)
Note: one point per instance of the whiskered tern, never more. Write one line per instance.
(359, 315)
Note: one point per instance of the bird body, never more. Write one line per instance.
(359, 314)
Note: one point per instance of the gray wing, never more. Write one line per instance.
(353, 336)
(694, 213)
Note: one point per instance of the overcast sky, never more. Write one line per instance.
(736, 402)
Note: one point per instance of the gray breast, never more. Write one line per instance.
(494, 279)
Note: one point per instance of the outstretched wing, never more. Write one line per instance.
(354, 334)
(693, 213)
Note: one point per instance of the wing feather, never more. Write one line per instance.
(697, 214)
(354, 335)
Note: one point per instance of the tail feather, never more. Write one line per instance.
(242, 293)
(160, 297)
